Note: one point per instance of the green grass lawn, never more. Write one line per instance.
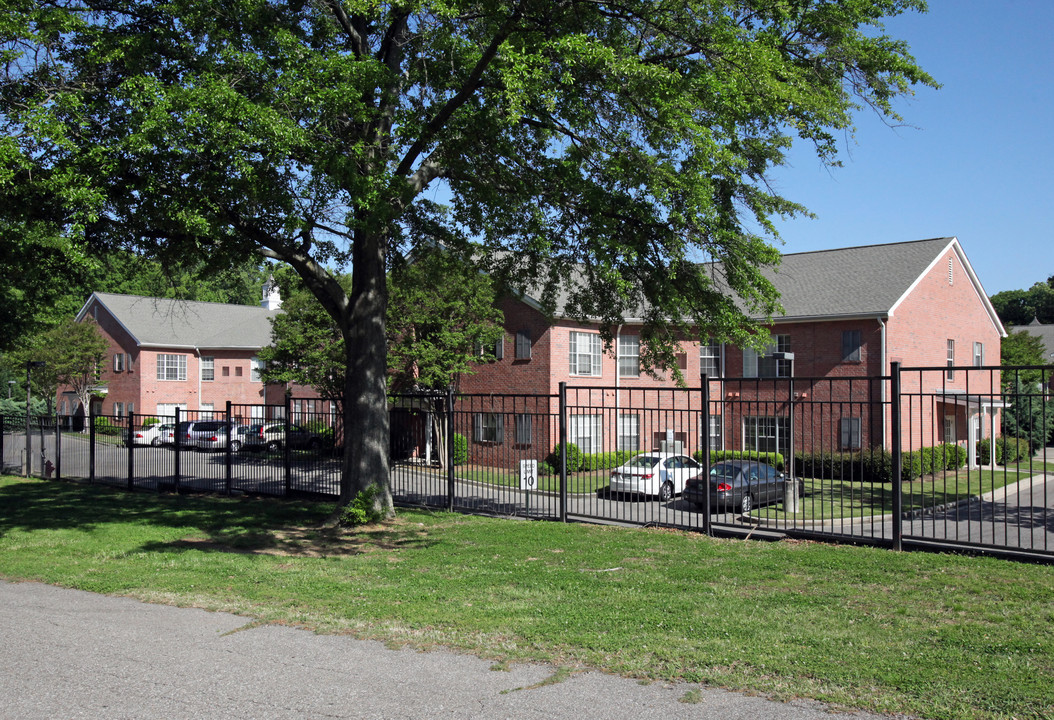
(938, 636)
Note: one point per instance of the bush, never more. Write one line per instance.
(103, 426)
(149, 421)
(773, 459)
(460, 449)
(604, 461)
(1008, 450)
(321, 429)
(574, 457)
(544, 468)
(362, 510)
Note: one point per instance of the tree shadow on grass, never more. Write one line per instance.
(265, 526)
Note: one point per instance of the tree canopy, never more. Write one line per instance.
(608, 150)
(1021, 307)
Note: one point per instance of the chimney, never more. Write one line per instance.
(272, 300)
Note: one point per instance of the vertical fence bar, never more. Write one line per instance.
(58, 449)
(287, 464)
(177, 447)
(449, 421)
(228, 457)
(91, 443)
(563, 451)
(898, 487)
(130, 435)
(704, 455)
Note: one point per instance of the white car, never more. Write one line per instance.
(152, 434)
(661, 474)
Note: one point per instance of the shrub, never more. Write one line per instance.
(362, 510)
(1008, 450)
(321, 429)
(605, 461)
(147, 422)
(460, 449)
(773, 459)
(574, 457)
(544, 468)
(103, 426)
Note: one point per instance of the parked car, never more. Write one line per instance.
(738, 484)
(271, 436)
(217, 439)
(192, 432)
(151, 434)
(661, 474)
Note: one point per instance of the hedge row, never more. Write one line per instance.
(769, 458)
(1008, 450)
(876, 465)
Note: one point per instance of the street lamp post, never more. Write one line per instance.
(790, 489)
(29, 435)
(10, 387)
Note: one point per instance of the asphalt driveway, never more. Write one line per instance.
(71, 654)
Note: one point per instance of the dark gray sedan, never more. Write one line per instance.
(738, 484)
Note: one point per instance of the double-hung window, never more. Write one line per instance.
(951, 359)
(763, 364)
(629, 356)
(978, 354)
(628, 431)
(171, 367)
(523, 429)
(851, 341)
(118, 362)
(523, 345)
(584, 354)
(585, 432)
(710, 359)
(488, 427)
(208, 368)
(849, 431)
(256, 367)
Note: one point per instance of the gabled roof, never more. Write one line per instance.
(854, 282)
(187, 324)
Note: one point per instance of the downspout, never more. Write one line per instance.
(881, 372)
(197, 351)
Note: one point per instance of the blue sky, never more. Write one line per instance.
(976, 161)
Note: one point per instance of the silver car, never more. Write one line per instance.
(217, 439)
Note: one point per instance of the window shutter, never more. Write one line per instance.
(499, 421)
(499, 348)
(477, 427)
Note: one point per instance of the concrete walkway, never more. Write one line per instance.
(72, 654)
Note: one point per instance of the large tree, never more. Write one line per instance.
(604, 149)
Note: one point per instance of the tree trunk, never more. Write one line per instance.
(366, 460)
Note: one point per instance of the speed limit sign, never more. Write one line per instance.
(528, 474)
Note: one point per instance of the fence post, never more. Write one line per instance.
(228, 455)
(287, 465)
(563, 451)
(898, 487)
(58, 448)
(3, 432)
(131, 450)
(177, 448)
(450, 447)
(91, 443)
(705, 453)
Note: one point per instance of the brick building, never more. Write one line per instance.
(848, 314)
(196, 356)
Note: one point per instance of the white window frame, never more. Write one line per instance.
(171, 367)
(629, 356)
(978, 354)
(710, 359)
(118, 409)
(584, 354)
(208, 368)
(951, 359)
(950, 436)
(487, 427)
(758, 365)
(628, 432)
(716, 430)
(118, 362)
(256, 366)
(587, 432)
(780, 429)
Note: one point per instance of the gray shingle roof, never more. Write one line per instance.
(866, 280)
(1044, 332)
(162, 322)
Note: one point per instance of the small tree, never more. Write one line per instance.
(1028, 415)
(73, 354)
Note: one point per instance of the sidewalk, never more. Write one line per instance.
(73, 654)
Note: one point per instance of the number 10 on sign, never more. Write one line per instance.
(528, 474)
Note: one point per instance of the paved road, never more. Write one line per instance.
(72, 654)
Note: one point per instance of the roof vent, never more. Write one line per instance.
(951, 271)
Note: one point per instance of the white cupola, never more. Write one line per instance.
(272, 299)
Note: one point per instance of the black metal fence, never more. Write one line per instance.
(942, 458)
